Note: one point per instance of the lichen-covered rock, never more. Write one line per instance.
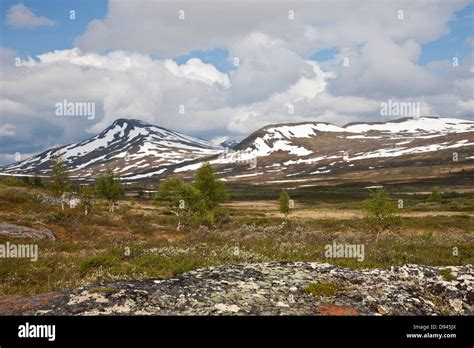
(22, 232)
(46, 199)
(266, 289)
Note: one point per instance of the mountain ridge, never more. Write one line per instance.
(125, 143)
(139, 150)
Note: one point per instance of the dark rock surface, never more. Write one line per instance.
(265, 289)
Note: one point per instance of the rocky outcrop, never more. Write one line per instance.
(267, 289)
(22, 232)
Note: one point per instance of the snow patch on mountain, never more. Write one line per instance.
(394, 152)
(127, 146)
(137, 150)
(416, 126)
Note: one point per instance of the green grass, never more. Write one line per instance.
(323, 289)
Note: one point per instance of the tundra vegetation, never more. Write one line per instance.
(59, 183)
(284, 204)
(110, 188)
(380, 212)
(220, 224)
(194, 204)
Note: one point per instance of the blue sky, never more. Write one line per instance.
(461, 28)
(137, 59)
(60, 36)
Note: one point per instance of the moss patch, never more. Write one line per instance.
(323, 289)
(447, 275)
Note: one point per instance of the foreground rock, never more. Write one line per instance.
(266, 289)
(23, 232)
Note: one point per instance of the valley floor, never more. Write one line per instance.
(112, 260)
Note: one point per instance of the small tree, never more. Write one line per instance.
(87, 192)
(284, 203)
(110, 188)
(435, 196)
(211, 188)
(380, 213)
(181, 199)
(60, 183)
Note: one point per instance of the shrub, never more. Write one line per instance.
(14, 196)
(182, 200)
(13, 182)
(211, 188)
(96, 261)
(220, 215)
(59, 183)
(435, 196)
(37, 181)
(110, 188)
(62, 216)
(87, 192)
(138, 223)
(135, 218)
(380, 213)
(284, 203)
(32, 181)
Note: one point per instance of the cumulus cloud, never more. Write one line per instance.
(267, 67)
(384, 68)
(304, 26)
(132, 85)
(195, 69)
(116, 67)
(20, 16)
(274, 40)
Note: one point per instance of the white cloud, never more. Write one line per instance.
(465, 107)
(134, 85)
(384, 68)
(115, 68)
(7, 130)
(266, 67)
(20, 16)
(154, 26)
(195, 69)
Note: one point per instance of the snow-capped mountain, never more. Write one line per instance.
(312, 151)
(131, 148)
(283, 153)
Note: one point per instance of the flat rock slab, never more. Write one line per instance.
(265, 289)
(23, 232)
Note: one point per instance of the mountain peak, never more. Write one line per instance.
(138, 150)
(128, 121)
(131, 147)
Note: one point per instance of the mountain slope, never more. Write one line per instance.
(312, 151)
(284, 153)
(132, 148)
